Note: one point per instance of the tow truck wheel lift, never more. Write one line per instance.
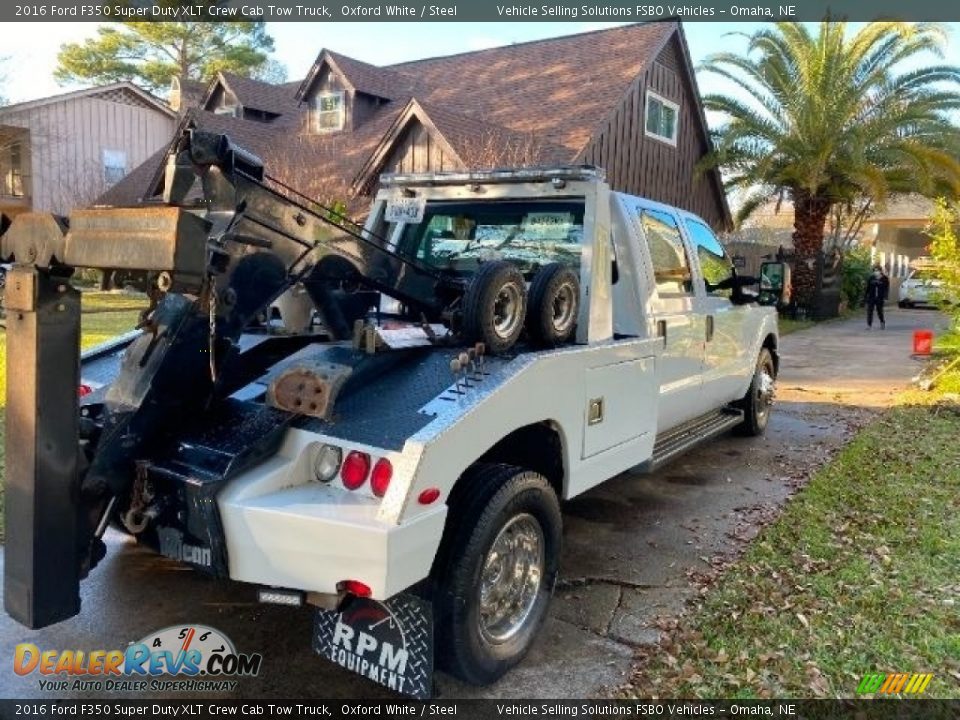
(214, 267)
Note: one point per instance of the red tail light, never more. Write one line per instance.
(356, 467)
(380, 480)
(354, 587)
(84, 390)
(428, 496)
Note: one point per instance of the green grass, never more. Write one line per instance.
(788, 325)
(861, 573)
(105, 315)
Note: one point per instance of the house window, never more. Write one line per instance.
(329, 112)
(662, 117)
(13, 172)
(114, 166)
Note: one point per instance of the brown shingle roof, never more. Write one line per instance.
(544, 98)
(372, 80)
(258, 95)
(577, 77)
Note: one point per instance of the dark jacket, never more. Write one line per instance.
(877, 289)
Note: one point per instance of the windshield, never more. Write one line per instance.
(925, 276)
(457, 237)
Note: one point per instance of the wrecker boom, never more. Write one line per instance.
(216, 265)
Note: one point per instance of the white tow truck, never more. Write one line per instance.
(407, 478)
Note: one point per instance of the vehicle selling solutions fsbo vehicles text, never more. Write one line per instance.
(641, 12)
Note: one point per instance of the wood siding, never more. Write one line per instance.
(363, 107)
(416, 150)
(64, 156)
(641, 165)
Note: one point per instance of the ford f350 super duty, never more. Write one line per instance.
(379, 420)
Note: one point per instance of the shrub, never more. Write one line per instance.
(856, 269)
(945, 250)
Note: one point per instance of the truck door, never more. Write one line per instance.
(674, 316)
(725, 361)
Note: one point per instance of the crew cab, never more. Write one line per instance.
(406, 478)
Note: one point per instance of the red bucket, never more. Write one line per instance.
(922, 342)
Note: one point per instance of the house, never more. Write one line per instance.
(624, 99)
(66, 150)
(894, 233)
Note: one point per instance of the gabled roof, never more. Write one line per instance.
(98, 92)
(360, 76)
(473, 142)
(256, 94)
(580, 76)
(545, 99)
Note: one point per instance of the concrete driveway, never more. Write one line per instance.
(631, 545)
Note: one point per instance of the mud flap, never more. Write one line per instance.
(389, 642)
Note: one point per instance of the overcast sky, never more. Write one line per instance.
(32, 47)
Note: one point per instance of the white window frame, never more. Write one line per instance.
(317, 112)
(108, 155)
(13, 171)
(230, 110)
(651, 95)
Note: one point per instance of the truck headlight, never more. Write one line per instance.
(326, 463)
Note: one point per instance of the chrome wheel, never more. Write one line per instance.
(766, 391)
(510, 578)
(507, 310)
(564, 306)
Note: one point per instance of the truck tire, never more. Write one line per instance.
(554, 304)
(486, 617)
(494, 306)
(757, 402)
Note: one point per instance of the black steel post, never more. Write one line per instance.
(41, 568)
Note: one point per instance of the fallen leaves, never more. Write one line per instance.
(808, 608)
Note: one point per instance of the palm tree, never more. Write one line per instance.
(826, 119)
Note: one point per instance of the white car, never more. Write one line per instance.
(920, 288)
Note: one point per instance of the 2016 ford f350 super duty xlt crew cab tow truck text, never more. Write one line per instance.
(381, 420)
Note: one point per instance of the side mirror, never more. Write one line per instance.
(775, 286)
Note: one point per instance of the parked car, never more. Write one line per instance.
(920, 288)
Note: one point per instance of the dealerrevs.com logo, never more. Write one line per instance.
(189, 658)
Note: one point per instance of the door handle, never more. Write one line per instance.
(709, 328)
(662, 330)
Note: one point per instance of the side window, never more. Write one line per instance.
(715, 264)
(671, 268)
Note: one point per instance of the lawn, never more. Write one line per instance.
(861, 573)
(105, 315)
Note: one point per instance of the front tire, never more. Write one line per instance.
(757, 402)
(496, 570)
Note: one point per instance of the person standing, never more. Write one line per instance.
(878, 288)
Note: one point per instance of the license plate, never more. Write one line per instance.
(389, 642)
(405, 209)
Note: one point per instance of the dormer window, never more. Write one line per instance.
(329, 112)
(230, 110)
